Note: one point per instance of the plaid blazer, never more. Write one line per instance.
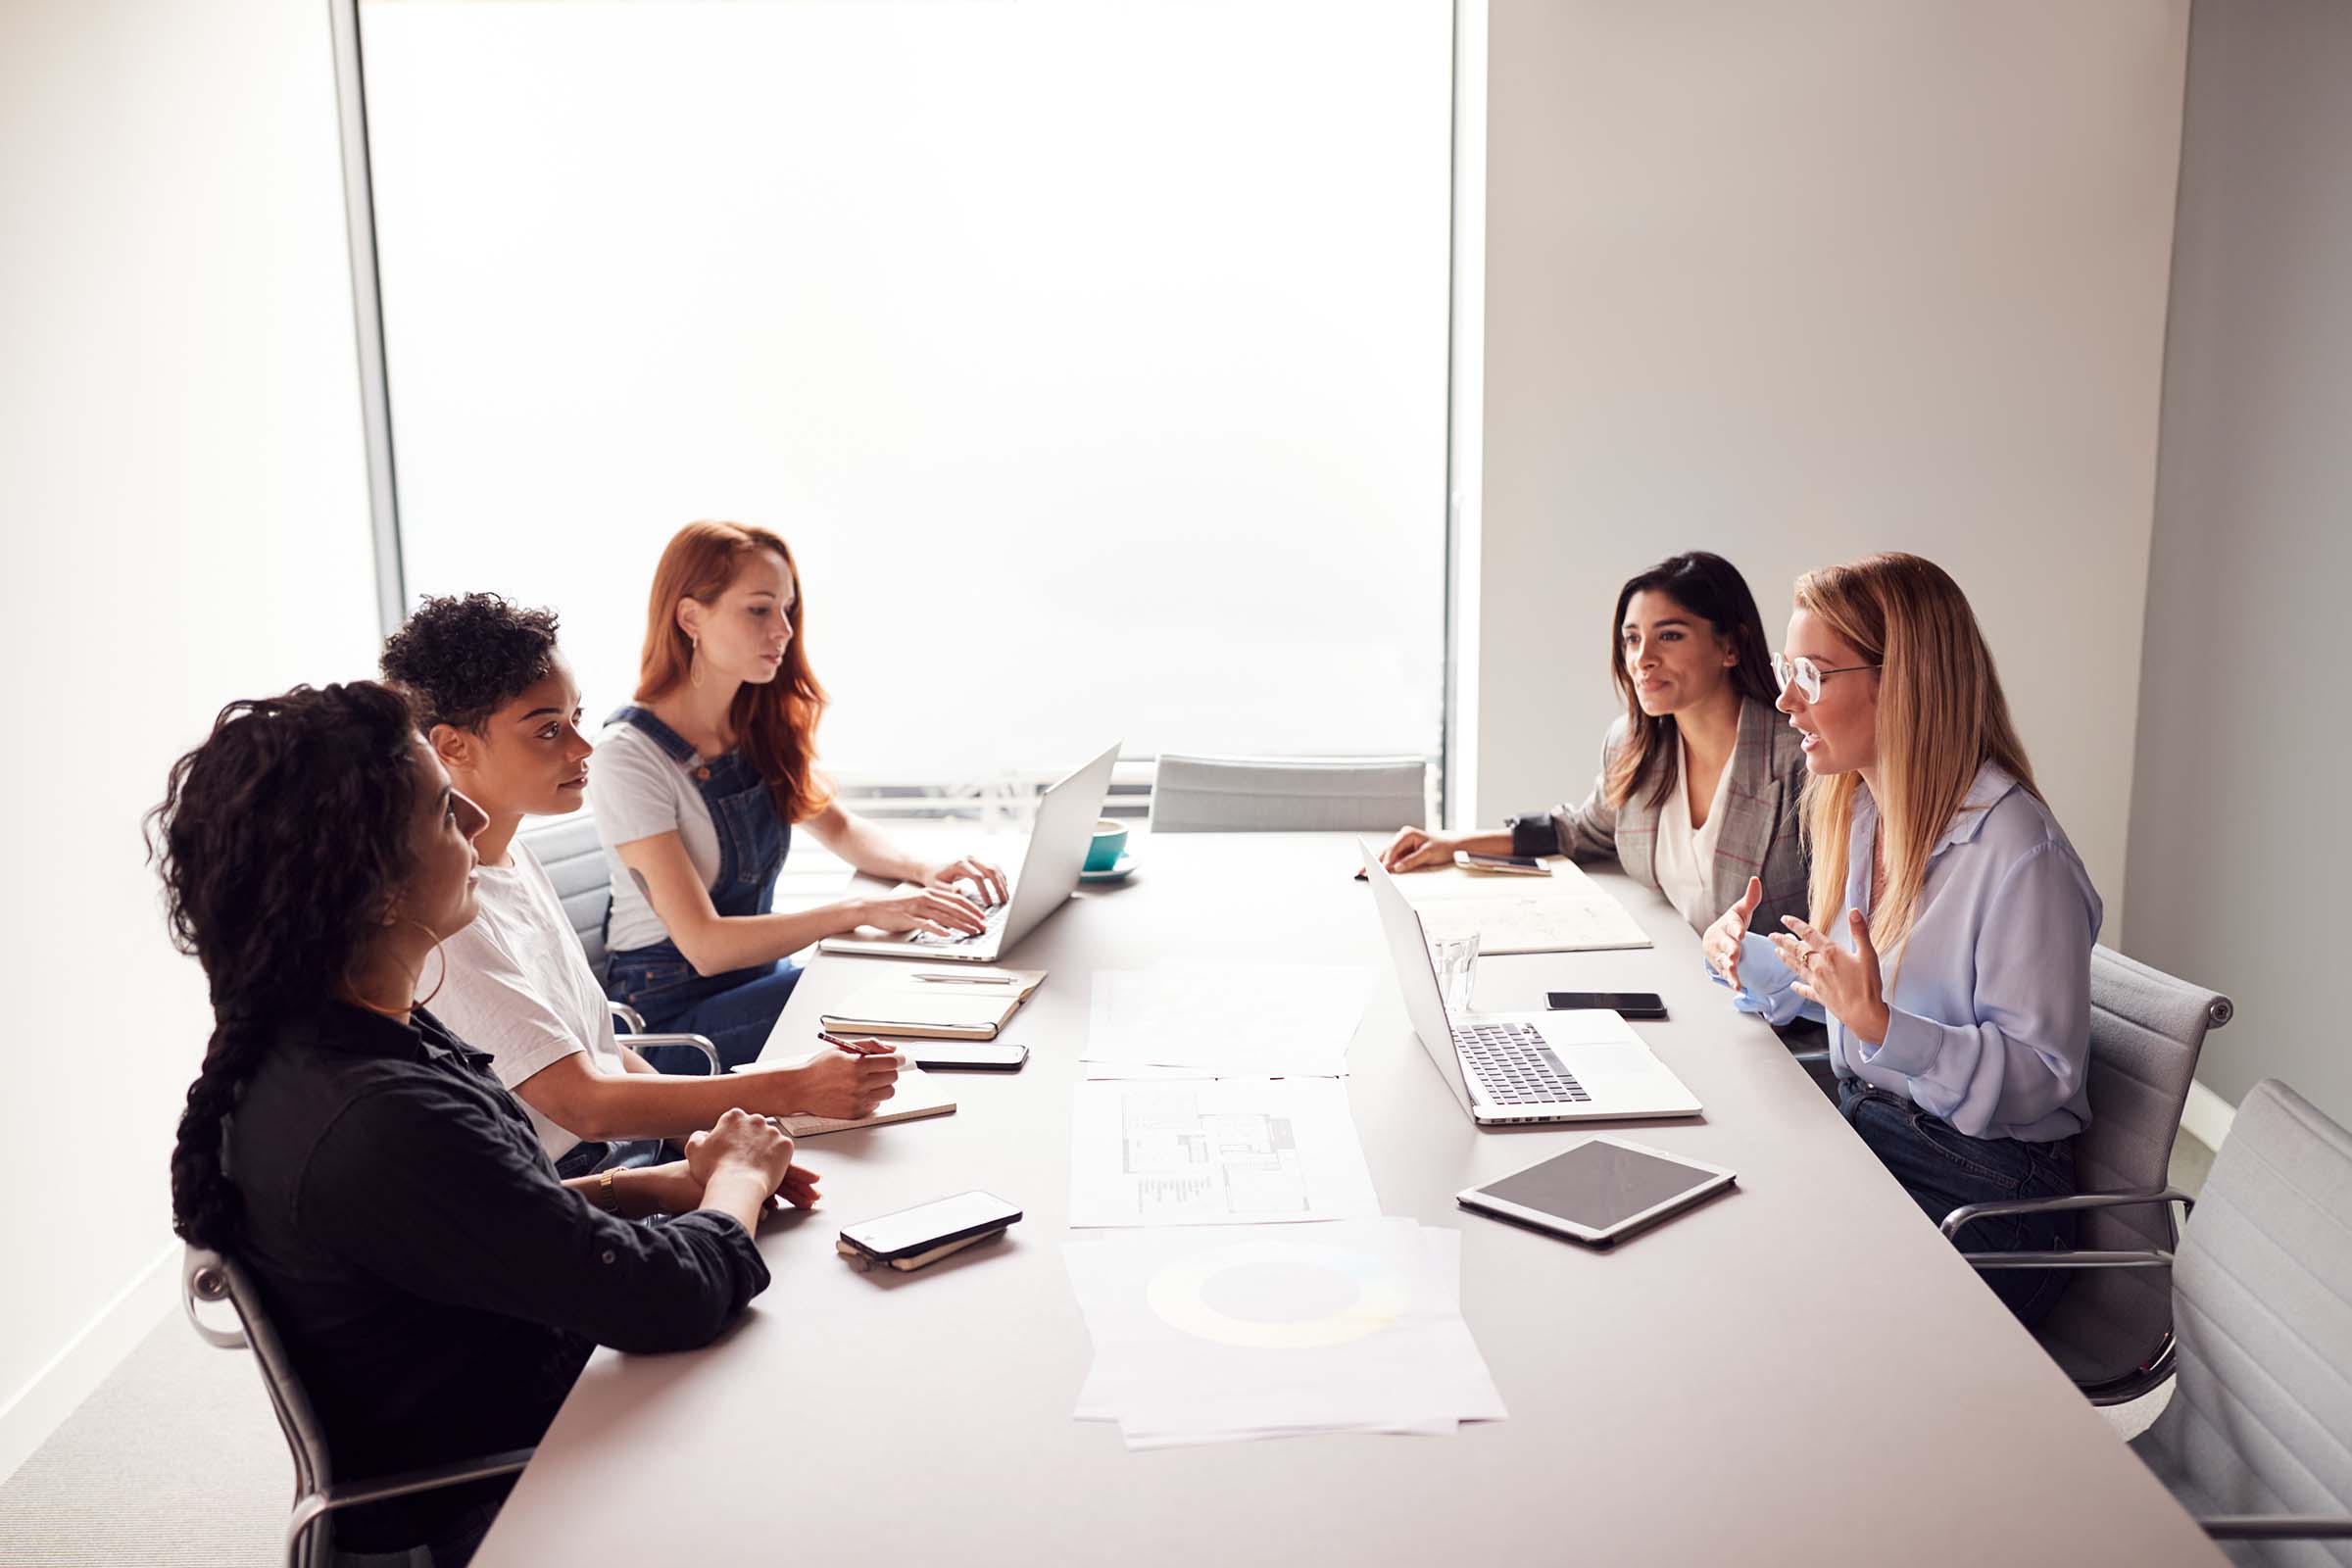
(1760, 834)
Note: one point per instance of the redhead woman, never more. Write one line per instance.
(699, 785)
(1698, 789)
(1951, 923)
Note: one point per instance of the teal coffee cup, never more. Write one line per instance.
(1110, 839)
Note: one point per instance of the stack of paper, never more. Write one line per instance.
(1259, 1020)
(1565, 912)
(1215, 1152)
(1216, 1334)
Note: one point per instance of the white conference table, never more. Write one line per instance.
(1800, 1371)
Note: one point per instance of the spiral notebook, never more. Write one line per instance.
(936, 1005)
(918, 1094)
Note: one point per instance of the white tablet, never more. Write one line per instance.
(1603, 1188)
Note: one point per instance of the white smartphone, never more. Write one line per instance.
(928, 1225)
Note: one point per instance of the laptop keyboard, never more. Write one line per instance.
(994, 920)
(1514, 1066)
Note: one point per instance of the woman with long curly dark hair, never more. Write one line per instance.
(436, 1288)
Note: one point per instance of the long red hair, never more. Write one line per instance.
(774, 724)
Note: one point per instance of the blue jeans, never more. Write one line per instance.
(736, 1020)
(1943, 1168)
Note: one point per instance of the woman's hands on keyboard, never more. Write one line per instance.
(938, 910)
(989, 882)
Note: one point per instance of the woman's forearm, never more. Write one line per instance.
(866, 846)
(719, 943)
(622, 1106)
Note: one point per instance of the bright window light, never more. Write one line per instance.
(1090, 352)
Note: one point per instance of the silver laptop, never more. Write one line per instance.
(1048, 875)
(1522, 1066)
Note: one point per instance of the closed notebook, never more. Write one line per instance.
(918, 1094)
(935, 1004)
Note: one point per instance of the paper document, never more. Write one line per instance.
(1215, 1152)
(1268, 1020)
(1565, 912)
(1216, 1334)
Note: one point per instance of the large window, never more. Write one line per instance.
(1091, 354)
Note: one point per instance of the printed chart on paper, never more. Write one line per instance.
(1217, 1151)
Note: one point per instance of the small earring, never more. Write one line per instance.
(439, 951)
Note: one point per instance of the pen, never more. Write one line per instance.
(969, 979)
(863, 1047)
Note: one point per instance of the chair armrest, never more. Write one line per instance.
(2277, 1526)
(622, 1013)
(1809, 1058)
(2058, 1205)
(2154, 1257)
(310, 1509)
(700, 1043)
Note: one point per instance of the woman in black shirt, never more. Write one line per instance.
(436, 1288)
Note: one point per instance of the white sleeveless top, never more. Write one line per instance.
(1684, 858)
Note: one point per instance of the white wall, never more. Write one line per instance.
(1798, 282)
(185, 503)
(2237, 855)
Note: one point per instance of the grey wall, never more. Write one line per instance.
(1798, 282)
(2237, 850)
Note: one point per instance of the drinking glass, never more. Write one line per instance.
(1456, 960)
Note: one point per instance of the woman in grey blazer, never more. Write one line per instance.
(1698, 783)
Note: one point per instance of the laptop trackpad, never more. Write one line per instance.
(1604, 1064)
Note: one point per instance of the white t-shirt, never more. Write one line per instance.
(520, 987)
(1684, 858)
(637, 791)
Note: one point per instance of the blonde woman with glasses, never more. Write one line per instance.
(1951, 921)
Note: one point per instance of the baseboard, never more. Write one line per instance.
(72, 1375)
(2207, 1117)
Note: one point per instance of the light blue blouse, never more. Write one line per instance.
(1989, 1000)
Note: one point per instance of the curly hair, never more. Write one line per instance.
(281, 841)
(464, 657)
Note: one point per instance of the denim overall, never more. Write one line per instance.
(735, 1010)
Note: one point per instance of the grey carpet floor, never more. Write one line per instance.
(175, 1459)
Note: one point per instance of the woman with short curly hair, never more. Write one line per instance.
(498, 705)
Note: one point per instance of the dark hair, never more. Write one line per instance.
(281, 841)
(1712, 589)
(463, 658)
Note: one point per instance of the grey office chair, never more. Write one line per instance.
(2257, 1439)
(1277, 794)
(210, 1278)
(573, 858)
(2112, 1331)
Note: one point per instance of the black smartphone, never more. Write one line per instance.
(920, 1229)
(1623, 1003)
(966, 1056)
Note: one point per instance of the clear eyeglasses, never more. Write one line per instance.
(1806, 675)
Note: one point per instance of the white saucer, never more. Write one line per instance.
(1112, 872)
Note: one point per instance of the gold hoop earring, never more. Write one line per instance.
(694, 660)
(438, 952)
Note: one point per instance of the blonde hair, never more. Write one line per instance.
(1942, 716)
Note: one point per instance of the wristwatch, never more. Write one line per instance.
(605, 1197)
